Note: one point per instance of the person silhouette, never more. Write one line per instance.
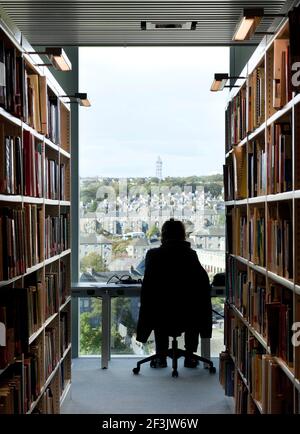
(175, 295)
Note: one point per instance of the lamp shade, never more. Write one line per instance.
(219, 82)
(58, 58)
(249, 22)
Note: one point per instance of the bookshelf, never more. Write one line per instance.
(261, 367)
(35, 297)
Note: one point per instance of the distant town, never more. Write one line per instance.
(120, 220)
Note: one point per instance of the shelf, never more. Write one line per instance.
(65, 253)
(287, 195)
(65, 303)
(36, 334)
(65, 392)
(29, 271)
(241, 202)
(243, 377)
(10, 198)
(64, 203)
(257, 199)
(281, 280)
(33, 268)
(52, 259)
(8, 282)
(229, 153)
(266, 162)
(255, 333)
(258, 404)
(256, 132)
(297, 289)
(64, 153)
(65, 353)
(50, 319)
(240, 258)
(286, 369)
(48, 381)
(51, 202)
(32, 131)
(11, 118)
(280, 112)
(258, 268)
(51, 144)
(4, 369)
(28, 199)
(16, 127)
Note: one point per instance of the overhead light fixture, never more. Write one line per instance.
(250, 20)
(220, 80)
(80, 98)
(168, 25)
(57, 56)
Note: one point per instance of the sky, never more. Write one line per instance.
(149, 102)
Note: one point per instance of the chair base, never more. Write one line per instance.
(175, 353)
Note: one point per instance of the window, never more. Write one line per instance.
(139, 167)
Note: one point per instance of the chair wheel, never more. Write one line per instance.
(175, 374)
(136, 371)
(212, 370)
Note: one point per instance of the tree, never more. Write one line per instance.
(153, 231)
(90, 335)
(94, 261)
(119, 247)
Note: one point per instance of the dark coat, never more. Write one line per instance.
(175, 293)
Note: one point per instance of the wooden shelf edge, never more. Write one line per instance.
(254, 332)
(286, 369)
(65, 392)
(65, 153)
(35, 335)
(65, 353)
(65, 253)
(11, 118)
(10, 198)
(69, 298)
(48, 381)
(50, 319)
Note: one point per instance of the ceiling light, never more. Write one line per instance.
(80, 98)
(168, 25)
(57, 57)
(220, 81)
(249, 22)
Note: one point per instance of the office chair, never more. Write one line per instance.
(174, 353)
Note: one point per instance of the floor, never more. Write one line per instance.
(117, 391)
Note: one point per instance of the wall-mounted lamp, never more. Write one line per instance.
(250, 20)
(80, 98)
(220, 81)
(57, 57)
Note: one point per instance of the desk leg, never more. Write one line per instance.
(105, 350)
(205, 350)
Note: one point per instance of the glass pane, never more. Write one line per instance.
(124, 316)
(90, 326)
(133, 178)
(217, 341)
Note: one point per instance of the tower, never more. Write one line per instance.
(159, 168)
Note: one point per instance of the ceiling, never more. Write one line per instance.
(108, 23)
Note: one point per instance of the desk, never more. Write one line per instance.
(108, 290)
